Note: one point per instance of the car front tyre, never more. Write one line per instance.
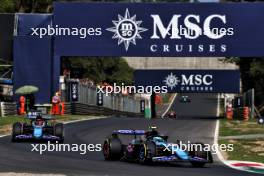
(16, 130)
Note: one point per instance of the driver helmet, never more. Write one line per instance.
(39, 121)
(152, 132)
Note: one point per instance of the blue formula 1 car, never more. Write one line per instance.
(154, 148)
(39, 129)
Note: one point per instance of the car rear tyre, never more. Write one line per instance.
(112, 149)
(16, 130)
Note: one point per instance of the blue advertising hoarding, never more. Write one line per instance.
(132, 29)
(200, 81)
(158, 29)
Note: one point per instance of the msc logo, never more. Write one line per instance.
(171, 81)
(191, 80)
(126, 29)
(191, 28)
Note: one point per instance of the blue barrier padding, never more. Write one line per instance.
(32, 65)
(28, 21)
(56, 72)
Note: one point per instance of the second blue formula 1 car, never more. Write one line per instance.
(154, 148)
(39, 129)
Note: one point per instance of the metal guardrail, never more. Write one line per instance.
(87, 94)
(84, 109)
(8, 108)
(118, 102)
(87, 104)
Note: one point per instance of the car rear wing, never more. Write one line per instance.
(33, 115)
(129, 132)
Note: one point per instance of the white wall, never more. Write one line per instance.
(178, 63)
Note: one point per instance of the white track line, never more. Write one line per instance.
(162, 116)
(218, 153)
(4, 135)
(73, 121)
(92, 118)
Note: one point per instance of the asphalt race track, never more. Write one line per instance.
(17, 157)
(202, 105)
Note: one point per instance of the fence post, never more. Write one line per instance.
(1, 109)
(252, 112)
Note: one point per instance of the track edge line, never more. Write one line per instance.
(218, 152)
(172, 101)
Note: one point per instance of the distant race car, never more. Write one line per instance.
(38, 129)
(172, 115)
(185, 99)
(154, 148)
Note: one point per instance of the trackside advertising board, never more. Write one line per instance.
(171, 29)
(202, 81)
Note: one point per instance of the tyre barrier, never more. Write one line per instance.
(245, 113)
(242, 113)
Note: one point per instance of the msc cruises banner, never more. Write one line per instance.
(203, 81)
(160, 29)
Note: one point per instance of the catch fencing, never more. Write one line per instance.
(88, 98)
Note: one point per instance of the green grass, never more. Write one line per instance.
(10, 120)
(238, 127)
(71, 117)
(6, 122)
(246, 150)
